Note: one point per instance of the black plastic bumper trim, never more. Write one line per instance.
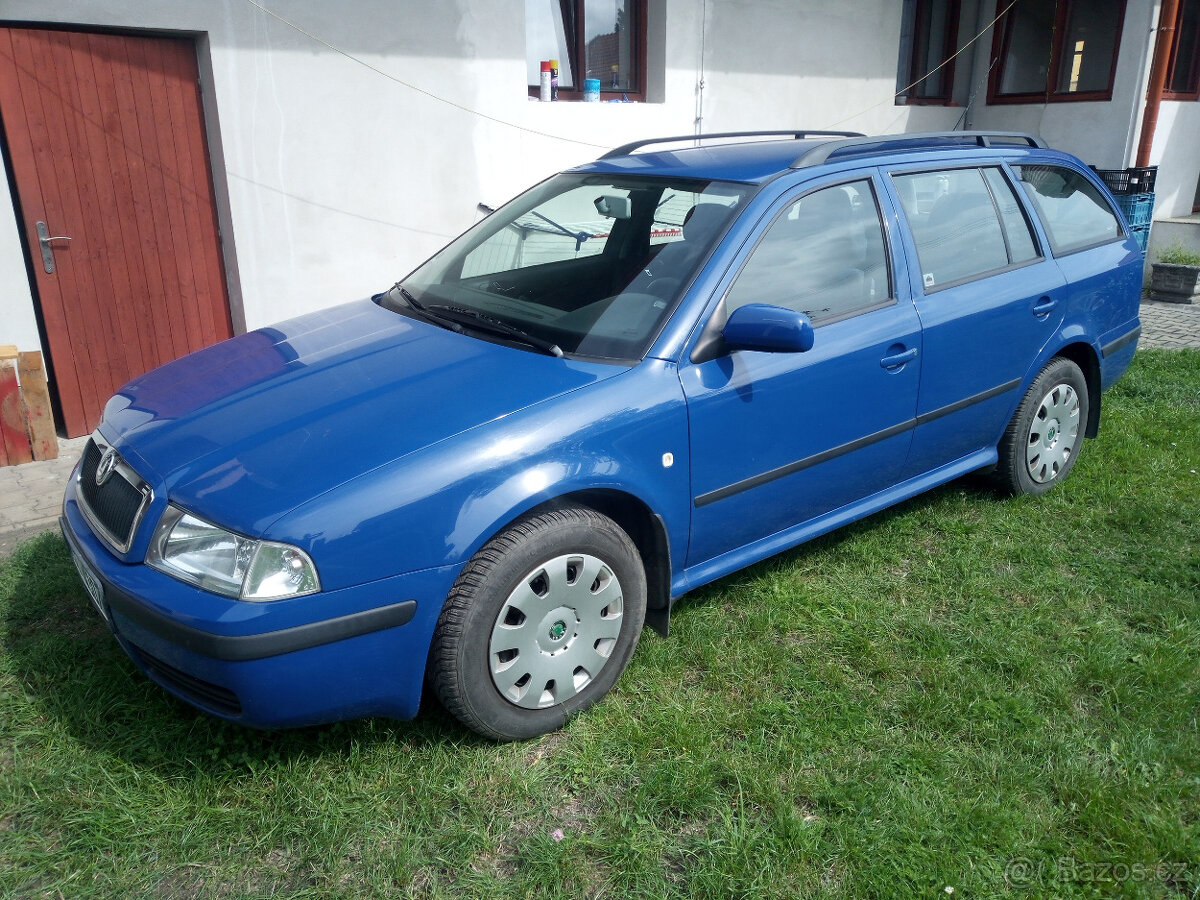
(1121, 343)
(245, 647)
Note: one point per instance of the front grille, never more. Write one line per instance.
(203, 693)
(115, 507)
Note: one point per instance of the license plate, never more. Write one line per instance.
(94, 588)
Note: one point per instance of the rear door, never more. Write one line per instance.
(989, 299)
(779, 439)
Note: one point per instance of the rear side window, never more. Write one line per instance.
(965, 222)
(1074, 213)
(824, 256)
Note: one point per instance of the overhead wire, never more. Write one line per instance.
(945, 62)
(418, 89)
(557, 137)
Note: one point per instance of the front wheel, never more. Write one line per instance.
(539, 624)
(1042, 442)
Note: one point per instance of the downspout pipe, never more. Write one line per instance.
(1167, 18)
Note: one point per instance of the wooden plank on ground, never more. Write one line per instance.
(8, 351)
(38, 413)
(13, 433)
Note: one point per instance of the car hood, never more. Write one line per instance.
(248, 429)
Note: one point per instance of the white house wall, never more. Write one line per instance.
(18, 324)
(337, 175)
(1176, 152)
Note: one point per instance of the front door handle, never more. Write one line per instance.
(44, 238)
(897, 360)
(1044, 307)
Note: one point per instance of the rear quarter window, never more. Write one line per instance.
(1076, 216)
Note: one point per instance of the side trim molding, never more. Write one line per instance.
(799, 465)
(1121, 343)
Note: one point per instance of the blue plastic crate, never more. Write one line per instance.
(1142, 233)
(1138, 208)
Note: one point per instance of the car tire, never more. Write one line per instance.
(1043, 440)
(539, 624)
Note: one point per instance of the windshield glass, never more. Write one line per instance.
(591, 264)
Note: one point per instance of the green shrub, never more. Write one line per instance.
(1179, 255)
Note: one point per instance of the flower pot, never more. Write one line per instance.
(1175, 284)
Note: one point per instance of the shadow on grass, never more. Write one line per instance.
(975, 486)
(71, 669)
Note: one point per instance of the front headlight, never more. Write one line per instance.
(201, 553)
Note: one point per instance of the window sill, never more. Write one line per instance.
(605, 96)
(924, 101)
(1035, 99)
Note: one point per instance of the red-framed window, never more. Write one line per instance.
(602, 39)
(928, 42)
(1183, 70)
(1056, 50)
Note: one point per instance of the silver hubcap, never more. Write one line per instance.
(556, 631)
(1053, 434)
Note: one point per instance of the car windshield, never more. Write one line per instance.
(589, 265)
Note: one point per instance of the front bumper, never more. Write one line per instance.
(340, 654)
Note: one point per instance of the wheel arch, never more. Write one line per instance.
(645, 528)
(1084, 356)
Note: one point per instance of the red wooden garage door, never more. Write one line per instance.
(106, 141)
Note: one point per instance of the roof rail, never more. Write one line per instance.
(626, 149)
(822, 153)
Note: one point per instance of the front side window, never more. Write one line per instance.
(586, 264)
(964, 222)
(601, 39)
(1049, 50)
(1074, 213)
(928, 37)
(824, 256)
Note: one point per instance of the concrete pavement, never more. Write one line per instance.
(30, 495)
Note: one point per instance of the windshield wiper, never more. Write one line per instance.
(579, 236)
(424, 310)
(482, 321)
(408, 298)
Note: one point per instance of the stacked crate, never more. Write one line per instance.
(1133, 189)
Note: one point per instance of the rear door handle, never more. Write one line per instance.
(897, 360)
(1044, 307)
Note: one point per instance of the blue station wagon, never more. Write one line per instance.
(641, 375)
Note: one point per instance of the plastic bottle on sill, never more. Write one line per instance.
(591, 90)
(544, 93)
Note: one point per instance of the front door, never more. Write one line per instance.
(779, 439)
(107, 147)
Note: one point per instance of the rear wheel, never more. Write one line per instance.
(1043, 439)
(539, 624)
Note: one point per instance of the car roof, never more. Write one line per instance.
(742, 158)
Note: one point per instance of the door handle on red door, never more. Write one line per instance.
(896, 360)
(1044, 307)
(44, 238)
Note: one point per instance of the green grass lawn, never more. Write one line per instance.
(998, 697)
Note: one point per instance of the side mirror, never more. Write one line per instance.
(771, 329)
